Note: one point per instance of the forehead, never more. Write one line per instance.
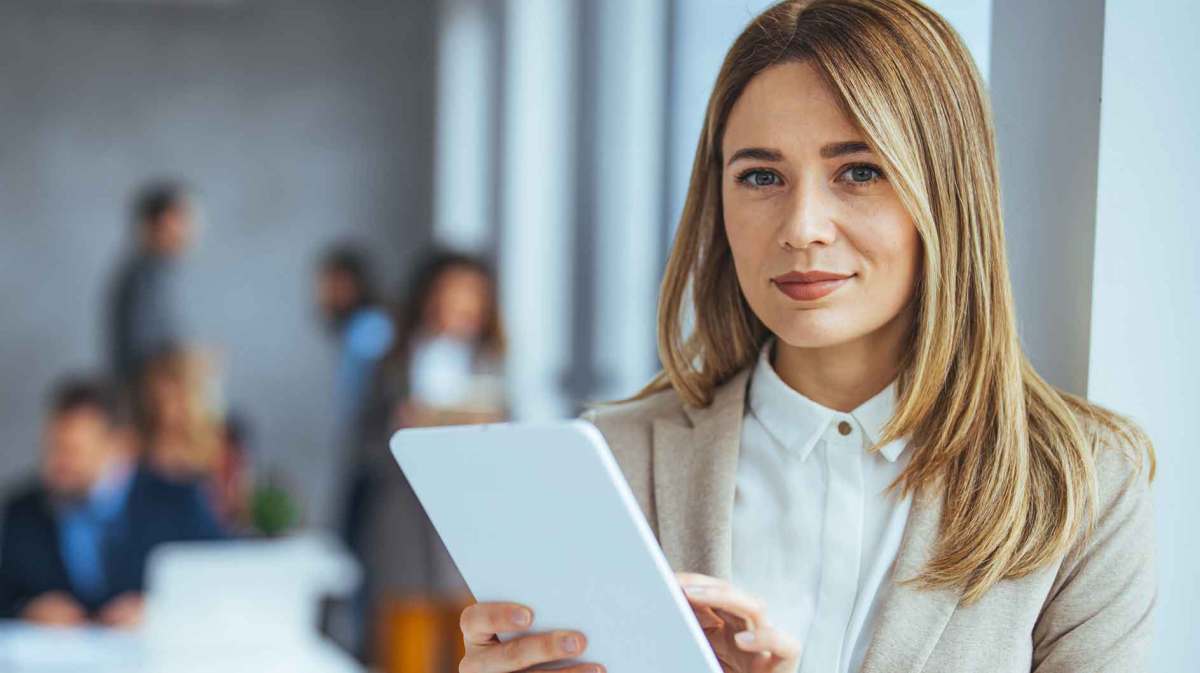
(81, 418)
(787, 106)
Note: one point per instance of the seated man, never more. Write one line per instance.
(75, 544)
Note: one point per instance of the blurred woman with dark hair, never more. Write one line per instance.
(446, 367)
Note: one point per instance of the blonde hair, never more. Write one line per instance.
(188, 446)
(1010, 454)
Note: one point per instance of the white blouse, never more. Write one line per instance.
(814, 534)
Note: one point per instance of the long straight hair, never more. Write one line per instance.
(1011, 456)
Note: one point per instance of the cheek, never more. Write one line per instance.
(749, 242)
(891, 251)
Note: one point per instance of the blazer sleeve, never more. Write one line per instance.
(1098, 614)
(15, 590)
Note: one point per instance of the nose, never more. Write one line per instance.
(809, 221)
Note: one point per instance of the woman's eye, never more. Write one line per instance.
(861, 174)
(759, 178)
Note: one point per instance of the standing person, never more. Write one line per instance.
(851, 429)
(447, 367)
(144, 315)
(348, 302)
(347, 298)
(75, 543)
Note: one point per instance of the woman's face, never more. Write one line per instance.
(459, 303)
(825, 253)
(167, 399)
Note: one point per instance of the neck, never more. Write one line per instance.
(843, 376)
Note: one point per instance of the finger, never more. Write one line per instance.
(768, 640)
(482, 621)
(696, 579)
(729, 598)
(707, 617)
(581, 668)
(521, 653)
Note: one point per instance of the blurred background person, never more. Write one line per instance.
(446, 367)
(448, 363)
(233, 482)
(144, 315)
(179, 420)
(75, 543)
(187, 437)
(349, 303)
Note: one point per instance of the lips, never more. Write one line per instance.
(810, 285)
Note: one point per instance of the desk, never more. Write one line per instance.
(31, 649)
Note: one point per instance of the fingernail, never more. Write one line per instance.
(744, 637)
(570, 644)
(695, 590)
(520, 617)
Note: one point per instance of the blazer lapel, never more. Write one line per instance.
(695, 473)
(911, 619)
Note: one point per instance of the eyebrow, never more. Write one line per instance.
(829, 151)
(843, 148)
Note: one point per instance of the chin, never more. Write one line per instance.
(811, 332)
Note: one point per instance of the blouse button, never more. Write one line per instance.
(844, 428)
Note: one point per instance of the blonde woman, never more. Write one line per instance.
(181, 429)
(849, 458)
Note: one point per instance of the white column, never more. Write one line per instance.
(537, 192)
(628, 191)
(1146, 289)
(463, 207)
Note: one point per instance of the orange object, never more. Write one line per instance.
(419, 635)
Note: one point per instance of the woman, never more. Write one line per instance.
(180, 424)
(445, 368)
(851, 430)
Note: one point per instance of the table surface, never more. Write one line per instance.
(32, 649)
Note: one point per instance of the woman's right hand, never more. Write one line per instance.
(486, 654)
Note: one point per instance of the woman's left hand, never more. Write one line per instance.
(737, 627)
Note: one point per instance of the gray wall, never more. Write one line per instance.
(1045, 90)
(300, 121)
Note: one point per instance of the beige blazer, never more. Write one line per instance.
(1087, 613)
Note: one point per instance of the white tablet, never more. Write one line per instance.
(540, 514)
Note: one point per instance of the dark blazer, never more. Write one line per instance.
(155, 511)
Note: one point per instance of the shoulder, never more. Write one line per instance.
(628, 429)
(26, 512)
(636, 417)
(1123, 456)
(27, 499)
(1123, 463)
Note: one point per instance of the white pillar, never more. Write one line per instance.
(1146, 289)
(632, 64)
(537, 194)
(463, 207)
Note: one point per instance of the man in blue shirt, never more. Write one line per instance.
(75, 544)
